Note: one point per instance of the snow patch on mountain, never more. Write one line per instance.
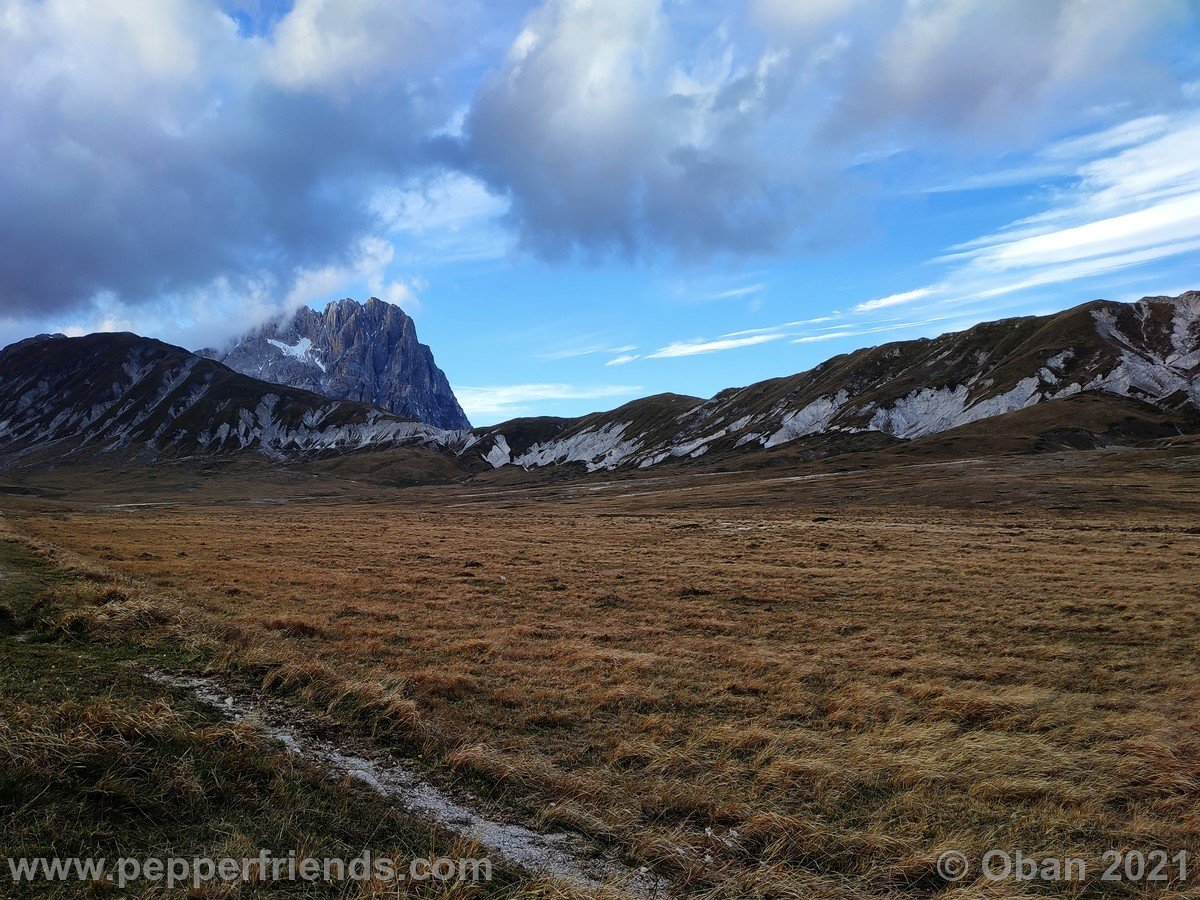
(930, 410)
(599, 448)
(814, 417)
(301, 350)
(500, 454)
(1145, 373)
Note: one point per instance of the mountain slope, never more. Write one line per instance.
(1131, 371)
(122, 391)
(365, 352)
(1147, 351)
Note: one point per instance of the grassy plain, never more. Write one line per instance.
(99, 763)
(801, 684)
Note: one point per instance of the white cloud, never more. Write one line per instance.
(699, 346)
(1017, 68)
(876, 329)
(893, 300)
(369, 265)
(787, 326)
(623, 359)
(738, 292)
(575, 351)
(332, 43)
(504, 401)
(612, 127)
(446, 218)
(827, 336)
(1138, 205)
(1065, 157)
(150, 153)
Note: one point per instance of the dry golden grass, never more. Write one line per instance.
(776, 698)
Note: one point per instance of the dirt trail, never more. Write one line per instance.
(564, 855)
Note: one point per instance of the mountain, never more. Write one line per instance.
(1147, 351)
(110, 392)
(1100, 374)
(351, 351)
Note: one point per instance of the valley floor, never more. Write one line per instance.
(806, 683)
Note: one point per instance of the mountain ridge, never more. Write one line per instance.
(126, 392)
(121, 391)
(1148, 350)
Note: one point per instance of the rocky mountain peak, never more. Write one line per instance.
(366, 352)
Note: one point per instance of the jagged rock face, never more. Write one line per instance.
(366, 352)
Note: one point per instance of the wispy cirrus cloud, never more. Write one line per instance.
(623, 359)
(495, 402)
(1136, 205)
(895, 325)
(893, 300)
(700, 346)
(575, 351)
(1134, 199)
(745, 291)
(801, 332)
(1062, 158)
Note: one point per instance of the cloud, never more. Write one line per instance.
(893, 300)
(976, 67)
(631, 128)
(1063, 158)
(330, 44)
(605, 140)
(699, 346)
(505, 401)
(1139, 203)
(449, 217)
(582, 349)
(738, 292)
(800, 332)
(153, 152)
(894, 325)
(163, 158)
(788, 326)
(1133, 199)
(827, 336)
(623, 359)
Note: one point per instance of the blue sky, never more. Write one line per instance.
(584, 202)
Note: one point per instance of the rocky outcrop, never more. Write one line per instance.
(367, 352)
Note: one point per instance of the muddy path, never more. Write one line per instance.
(561, 854)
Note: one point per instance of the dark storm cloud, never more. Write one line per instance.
(280, 184)
(154, 149)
